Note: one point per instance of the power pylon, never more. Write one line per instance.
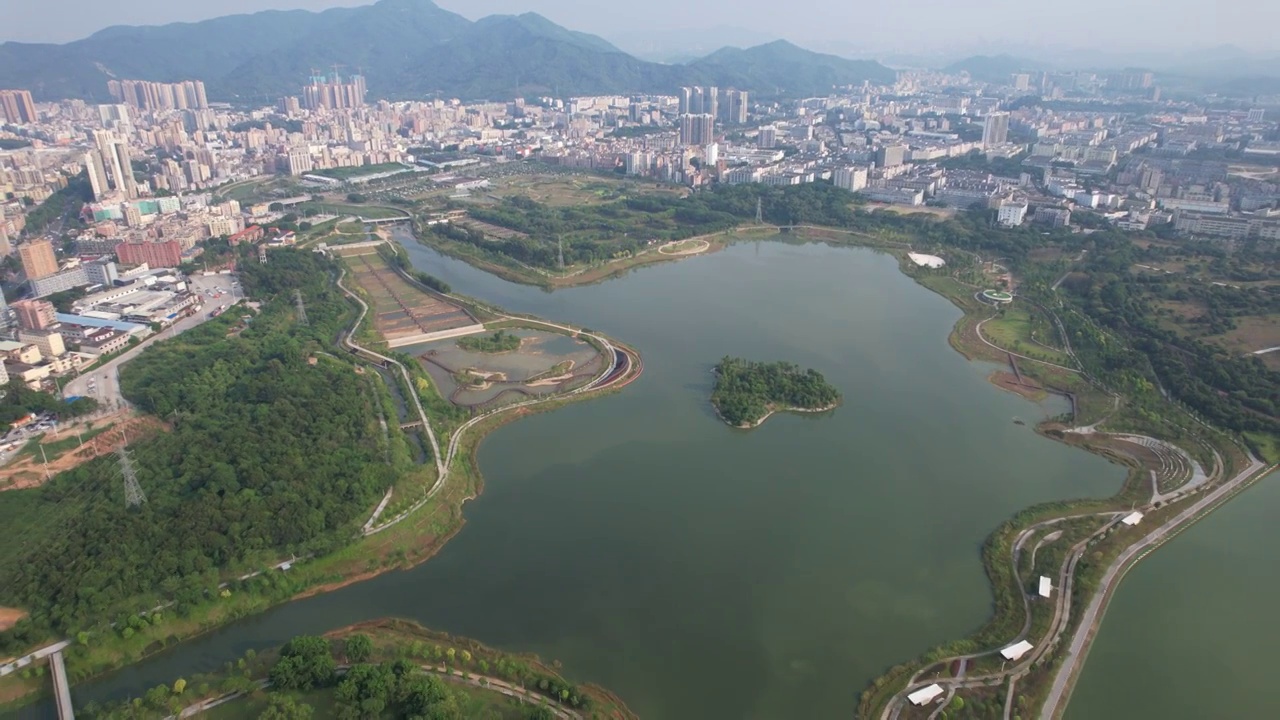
(560, 244)
(302, 309)
(759, 211)
(133, 495)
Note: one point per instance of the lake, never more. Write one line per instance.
(701, 571)
(1191, 630)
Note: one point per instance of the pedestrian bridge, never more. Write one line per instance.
(385, 221)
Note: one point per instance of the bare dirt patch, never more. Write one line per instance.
(10, 617)
(1028, 389)
(29, 470)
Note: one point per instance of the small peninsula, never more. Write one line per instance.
(746, 392)
(499, 342)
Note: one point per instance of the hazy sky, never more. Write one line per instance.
(919, 26)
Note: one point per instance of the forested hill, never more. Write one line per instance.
(746, 392)
(406, 49)
(268, 455)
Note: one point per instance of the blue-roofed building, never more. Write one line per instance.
(127, 328)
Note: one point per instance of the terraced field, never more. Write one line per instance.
(404, 314)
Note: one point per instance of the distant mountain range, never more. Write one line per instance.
(405, 49)
(993, 68)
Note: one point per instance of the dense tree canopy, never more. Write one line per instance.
(268, 455)
(746, 392)
(18, 401)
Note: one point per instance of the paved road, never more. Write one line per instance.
(1083, 638)
(106, 378)
(1062, 609)
(443, 464)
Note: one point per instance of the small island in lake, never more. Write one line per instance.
(499, 342)
(748, 392)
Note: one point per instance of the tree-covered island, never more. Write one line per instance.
(747, 392)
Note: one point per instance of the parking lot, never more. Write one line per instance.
(103, 383)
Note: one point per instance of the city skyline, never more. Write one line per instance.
(858, 27)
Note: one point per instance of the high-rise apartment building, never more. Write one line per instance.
(38, 259)
(699, 129)
(35, 314)
(700, 101)
(144, 95)
(331, 93)
(995, 130)
(686, 101)
(850, 178)
(17, 107)
(735, 107)
(298, 161)
(109, 166)
(767, 139)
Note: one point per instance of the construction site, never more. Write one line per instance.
(71, 447)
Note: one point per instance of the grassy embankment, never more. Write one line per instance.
(347, 173)
(369, 212)
(469, 668)
(1092, 405)
(513, 271)
(408, 543)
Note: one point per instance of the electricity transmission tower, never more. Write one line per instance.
(560, 245)
(759, 211)
(133, 495)
(302, 309)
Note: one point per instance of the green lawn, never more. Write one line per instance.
(346, 173)
(373, 212)
(1013, 332)
(477, 704)
(1268, 445)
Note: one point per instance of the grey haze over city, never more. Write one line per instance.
(1141, 31)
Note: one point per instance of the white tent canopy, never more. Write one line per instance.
(924, 696)
(1132, 518)
(1017, 650)
(1046, 587)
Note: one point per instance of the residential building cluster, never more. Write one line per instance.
(1107, 145)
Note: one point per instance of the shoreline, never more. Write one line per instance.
(591, 275)
(483, 429)
(465, 446)
(774, 411)
(1135, 480)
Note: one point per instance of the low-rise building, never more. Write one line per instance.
(59, 281)
(1012, 212)
(49, 341)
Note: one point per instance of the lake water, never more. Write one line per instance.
(1190, 633)
(705, 572)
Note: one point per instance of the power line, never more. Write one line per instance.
(133, 495)
(302, 308)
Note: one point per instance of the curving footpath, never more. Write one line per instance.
(445, 462)
(1078, 649)
(456, 676)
